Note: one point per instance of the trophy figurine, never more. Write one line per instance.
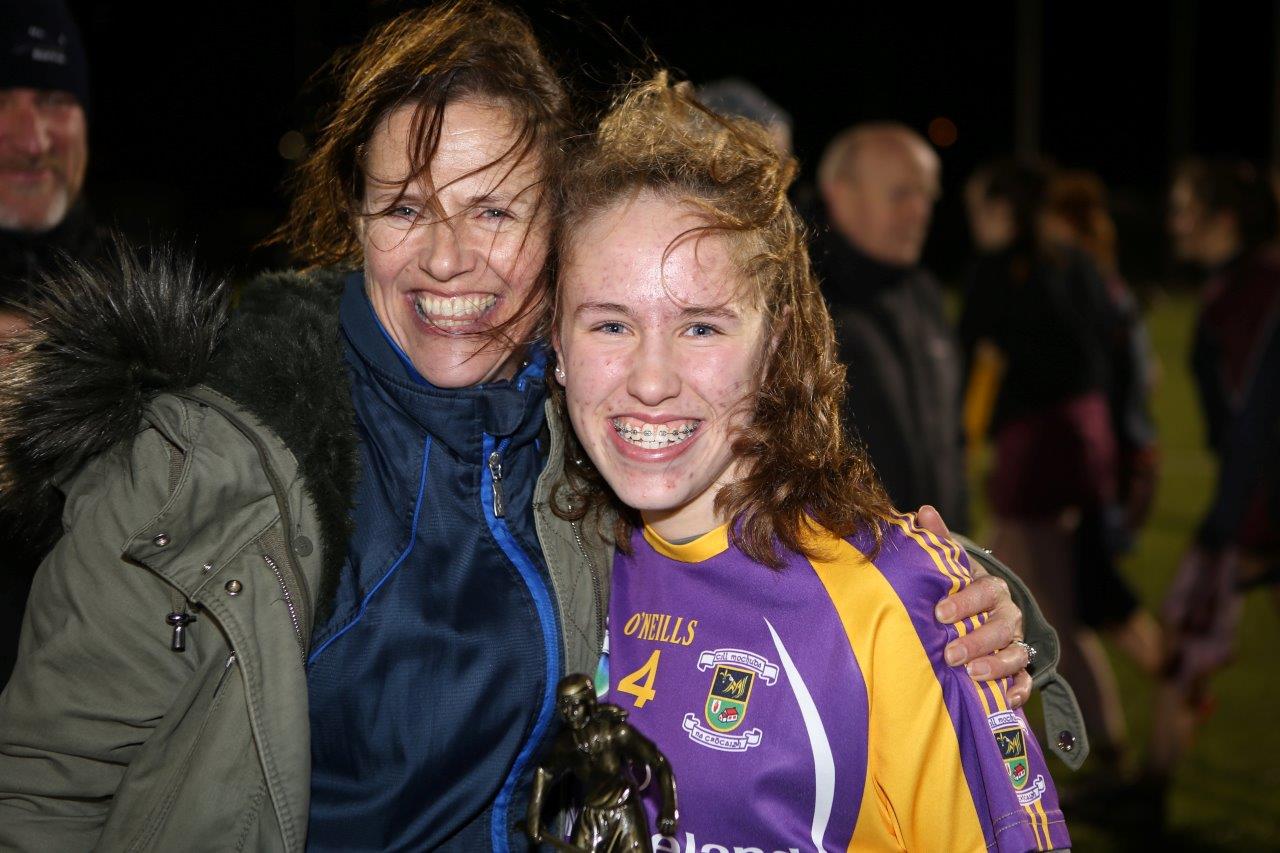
(598, 748)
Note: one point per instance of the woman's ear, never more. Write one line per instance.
(555, 346)
(359, 222)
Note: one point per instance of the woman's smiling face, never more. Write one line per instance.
(441, 285)
(662, 350)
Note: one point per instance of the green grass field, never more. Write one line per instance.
(1227, 791)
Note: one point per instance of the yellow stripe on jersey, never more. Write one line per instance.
(926, 540)
(998, 692)
(982, 696)
(1035, 826)
(907, 524)
(951, 556)
(949, 550)
(1044, 824)
(909, 728)
(946, 559)
(997, 695)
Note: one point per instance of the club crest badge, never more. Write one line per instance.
(1013, 749)
(734, 673)
(727, 700)
(1011, 740)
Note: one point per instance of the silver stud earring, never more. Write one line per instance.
(559, 373)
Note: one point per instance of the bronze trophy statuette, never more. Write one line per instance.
(599, 749)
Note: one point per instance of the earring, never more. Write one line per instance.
(559, 373)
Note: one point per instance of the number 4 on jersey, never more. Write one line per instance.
(640, 683)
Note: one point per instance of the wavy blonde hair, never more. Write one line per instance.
(802, 468)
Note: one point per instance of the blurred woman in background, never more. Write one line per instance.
(1037, 312)
(1223, 219)
(1076, 215)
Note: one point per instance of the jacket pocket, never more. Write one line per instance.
(179, 771)
(192, 785)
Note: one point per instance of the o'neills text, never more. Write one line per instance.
(659, 627)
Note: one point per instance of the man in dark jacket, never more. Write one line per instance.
(878, 184)
(44, 95)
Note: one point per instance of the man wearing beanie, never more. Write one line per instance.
(44, 99)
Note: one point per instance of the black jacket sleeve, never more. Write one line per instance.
(1248, 441)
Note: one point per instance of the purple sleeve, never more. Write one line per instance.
(1003, 764)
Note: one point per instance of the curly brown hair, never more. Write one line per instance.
(1079, 199)
(427, 58)
(803, 467)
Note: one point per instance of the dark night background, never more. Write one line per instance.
(191, 100)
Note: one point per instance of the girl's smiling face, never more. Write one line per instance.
(662, 348)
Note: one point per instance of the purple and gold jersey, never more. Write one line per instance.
(810, 708)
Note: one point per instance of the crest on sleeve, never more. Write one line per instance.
(1011, 739)
(1013, 749)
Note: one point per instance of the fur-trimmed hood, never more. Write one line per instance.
(113, 337)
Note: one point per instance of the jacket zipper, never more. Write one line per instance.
(226, 670)
(595, 581)
(491, 494)
(288, 602)
(495, 474)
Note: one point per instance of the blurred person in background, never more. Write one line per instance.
(1076, 214)
(1040, 312)
(1222, 219)
(44, 96)
(878, 183)
(44, 148)
(733, 96)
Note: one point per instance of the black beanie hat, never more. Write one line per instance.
(40, 48)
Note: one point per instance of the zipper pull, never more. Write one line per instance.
(179, 620)
(495, 472)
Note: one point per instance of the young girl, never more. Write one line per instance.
(771, 625)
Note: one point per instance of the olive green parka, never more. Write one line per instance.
(203, 471)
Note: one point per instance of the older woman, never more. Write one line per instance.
(306, 571)
(771, 622)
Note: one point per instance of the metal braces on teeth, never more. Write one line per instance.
(648, 433)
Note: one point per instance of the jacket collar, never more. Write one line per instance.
(25, 255)
(455, 417)
(849, 275)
